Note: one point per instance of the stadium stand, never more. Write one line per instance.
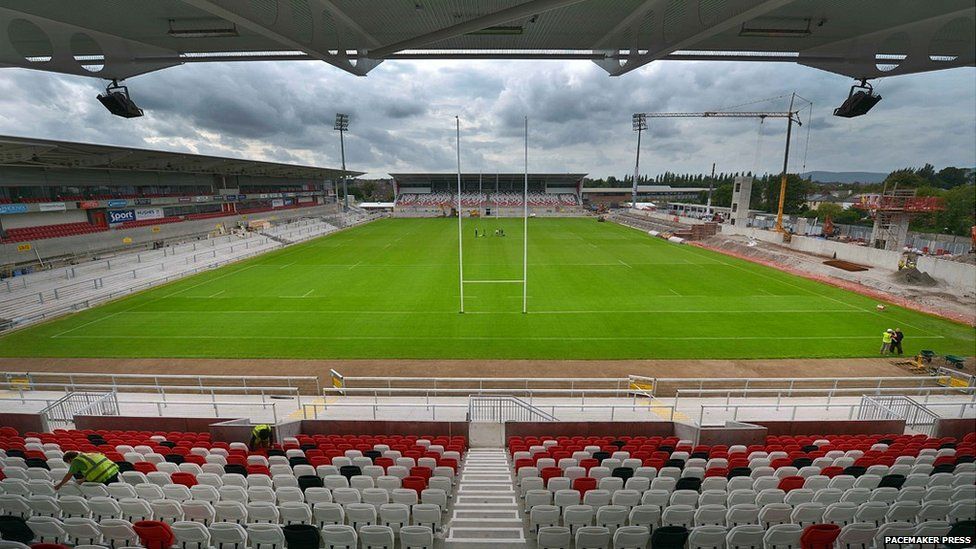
(469, 199)
(38, 296)
(51, 231)
(627, 491)
(339, 485)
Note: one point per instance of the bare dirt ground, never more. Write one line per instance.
(853, 367)
(939, 300)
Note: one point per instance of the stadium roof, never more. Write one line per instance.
(867, 38)
(645, 189)
(42, 153)
(488, 178)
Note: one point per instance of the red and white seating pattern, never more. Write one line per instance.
(373, 488)
(616, 491)
(474, 199)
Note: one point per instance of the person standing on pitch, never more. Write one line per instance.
(896, 338)
(89, 467)
(886, 338)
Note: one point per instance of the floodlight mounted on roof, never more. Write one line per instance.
(118, 102)
(858, 102)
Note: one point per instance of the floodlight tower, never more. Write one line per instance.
(342, 126)
(640, 124)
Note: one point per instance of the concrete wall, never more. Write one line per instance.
(91, 244)
(588, 428)
(233, 430)
(23, 422)
(34, 219)
(734, 432)
(846, 427)
(949, 427)
(953, 273)
(371, 427)
(139, 423)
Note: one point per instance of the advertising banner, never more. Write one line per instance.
(143, 201)
(277, 203)
(13, 208)
(201, 199)
(149, 213)
(117, 203)
(185, 199)
(88, 204)
(52, 206)
(121, 216)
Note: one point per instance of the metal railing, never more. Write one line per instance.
(917, 417)
(437, 410)
(61, 413)
(621, 386)
(161, 405)
(502, 408)
(159, 383)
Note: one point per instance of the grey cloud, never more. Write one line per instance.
(402, 115)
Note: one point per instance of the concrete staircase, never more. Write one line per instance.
(486, 511)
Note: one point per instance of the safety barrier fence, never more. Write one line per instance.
(246, 383)
(829, 393)
(917, 416)
(443, 410)
(647, 386)
(160, 389)
(182, 407)
(61, 413)
(502, 408)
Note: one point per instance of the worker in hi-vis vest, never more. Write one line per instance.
(89, 467)
(261, 436)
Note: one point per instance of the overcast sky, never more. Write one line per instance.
(402, 116)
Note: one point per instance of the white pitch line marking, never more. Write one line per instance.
(476, 338)
(673, 291)
(624, 263)
(287, 265)
(308, 293)
(493, 281)
(217, 293)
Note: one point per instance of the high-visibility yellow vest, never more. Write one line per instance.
(97, 467)
(886, 337)
(258, 430)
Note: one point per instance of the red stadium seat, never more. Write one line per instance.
(414, 483)
(791, 483)
(584, 484)
(819, 536)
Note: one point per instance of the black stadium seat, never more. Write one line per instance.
(892, 481)
(235, 468)
(669, 537)
(310, 481)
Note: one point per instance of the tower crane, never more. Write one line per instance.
(792, 117)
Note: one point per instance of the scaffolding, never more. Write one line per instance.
(892, 211)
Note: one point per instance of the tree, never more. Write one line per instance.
(950, 177)
(904, 178)
(825, 210)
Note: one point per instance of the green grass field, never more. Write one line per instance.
(389, 289)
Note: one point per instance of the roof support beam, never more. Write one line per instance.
(513, 13)
(22, 154)
(751, 9)
(118, 53)
(856, 57)
(234, 11)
